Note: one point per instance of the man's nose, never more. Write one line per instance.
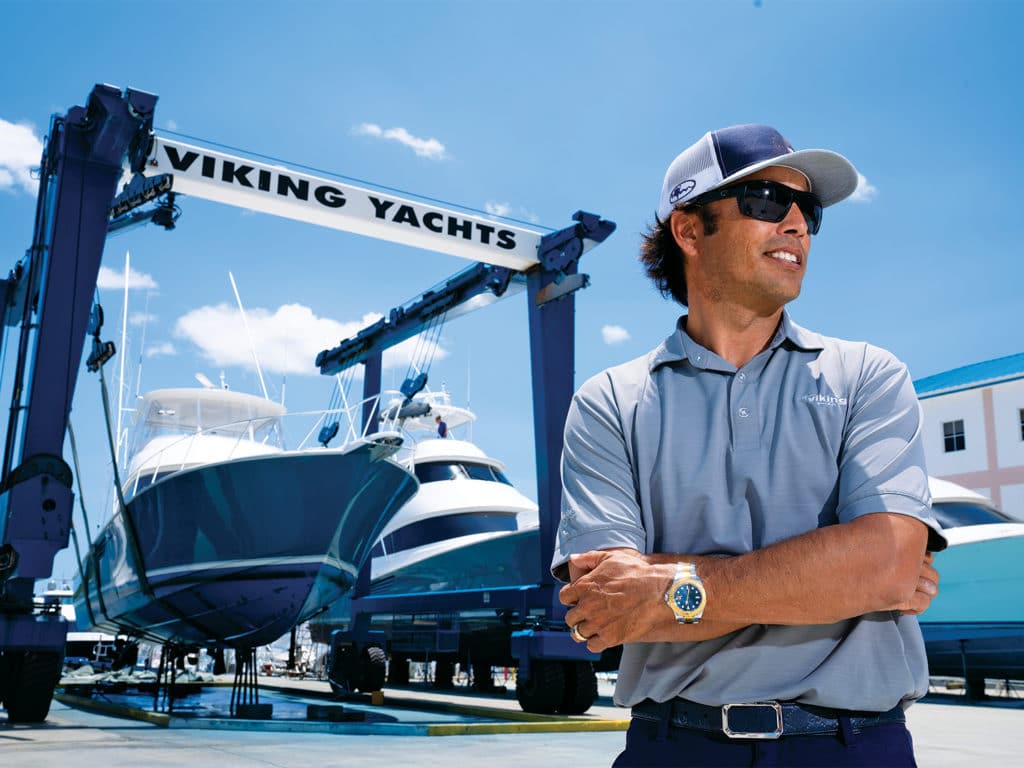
(794, 222)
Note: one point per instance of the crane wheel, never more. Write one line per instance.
(31, 677)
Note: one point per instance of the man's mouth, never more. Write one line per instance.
(785, 256)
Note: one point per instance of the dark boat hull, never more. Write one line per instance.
(237, 553)
(981, 650)
(505, 562)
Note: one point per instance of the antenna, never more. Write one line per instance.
(252, 347)
(124, 334)
(142, 345)
(284, 376)
(205, 381)
(469, 386)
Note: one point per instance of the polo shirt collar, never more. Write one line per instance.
(680, 346)
(797, 335)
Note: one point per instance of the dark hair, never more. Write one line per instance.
(662, 258)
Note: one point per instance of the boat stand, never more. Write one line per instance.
(167, 677)
(245, 690)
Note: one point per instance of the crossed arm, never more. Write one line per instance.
(876, 562)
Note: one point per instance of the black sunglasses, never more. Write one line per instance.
(767, 200)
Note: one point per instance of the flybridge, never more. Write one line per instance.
(284, 192)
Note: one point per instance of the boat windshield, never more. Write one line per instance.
(433, 471)
(220, 413)
(956, 514)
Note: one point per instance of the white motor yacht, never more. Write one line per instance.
(467, 527)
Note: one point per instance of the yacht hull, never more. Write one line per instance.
(975, 627)
(236, 553)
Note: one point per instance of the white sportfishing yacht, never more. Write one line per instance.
(227, 535)
(467, 527)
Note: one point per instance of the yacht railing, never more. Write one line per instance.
(182, 453)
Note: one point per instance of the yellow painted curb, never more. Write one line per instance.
(562, 726)
(80, 702)
(497, 713)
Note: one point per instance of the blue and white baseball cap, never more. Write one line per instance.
(720, 157)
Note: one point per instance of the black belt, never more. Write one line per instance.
(763, 719)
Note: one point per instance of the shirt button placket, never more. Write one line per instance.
(745, 427)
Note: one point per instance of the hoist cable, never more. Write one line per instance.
(88, 536)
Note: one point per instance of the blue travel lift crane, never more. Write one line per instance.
(49, 294)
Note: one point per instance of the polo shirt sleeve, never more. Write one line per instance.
(882, 467)
(600, 507)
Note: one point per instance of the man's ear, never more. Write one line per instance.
(685, 228)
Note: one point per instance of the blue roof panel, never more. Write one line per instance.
(970, 376)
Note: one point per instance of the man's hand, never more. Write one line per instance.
(927, 588)
(616, 597)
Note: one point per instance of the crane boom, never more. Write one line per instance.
(292, 194)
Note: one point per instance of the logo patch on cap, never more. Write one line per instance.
(681, 190)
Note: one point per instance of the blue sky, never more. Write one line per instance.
(537, 110)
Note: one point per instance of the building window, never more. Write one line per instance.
(953, 432)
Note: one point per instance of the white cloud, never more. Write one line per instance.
(287, 339)
(506, 210)
(141, 318)
(865, 191)
(20, 151)
(109, 279)
(161, 350)
(430, 148)
(614, 334)
(498, 209)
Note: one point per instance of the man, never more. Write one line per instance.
(442, 427)
(746, 508)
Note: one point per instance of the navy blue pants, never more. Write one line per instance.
(658, 745)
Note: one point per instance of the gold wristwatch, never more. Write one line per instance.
(686, 596)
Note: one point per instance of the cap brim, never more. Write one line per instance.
(832, 176)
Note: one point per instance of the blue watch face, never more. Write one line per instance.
(687, 597)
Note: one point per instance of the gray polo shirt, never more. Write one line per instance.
(680, 451)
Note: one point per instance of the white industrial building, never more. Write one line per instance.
(974, 429)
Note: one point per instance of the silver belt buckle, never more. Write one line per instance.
(773, 705)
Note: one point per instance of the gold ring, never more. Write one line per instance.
(579, 638)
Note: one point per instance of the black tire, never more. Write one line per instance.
(31, 678)
(342, 672)
(372, 669)
(544, 691)
(398, 671)
(444, 671)
(580, 687)
(4, 677)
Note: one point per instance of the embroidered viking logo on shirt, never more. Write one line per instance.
(825, 400)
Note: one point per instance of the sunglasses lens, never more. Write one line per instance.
(766, 202)
(812, 211)
(770, 201)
